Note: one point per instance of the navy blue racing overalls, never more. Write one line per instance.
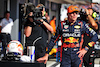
(72, 38)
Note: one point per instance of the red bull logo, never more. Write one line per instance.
(20, 45)
(71, 40)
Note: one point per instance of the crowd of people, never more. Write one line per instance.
(78, 37)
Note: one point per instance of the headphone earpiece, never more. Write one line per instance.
(44, 13)
(94, 15)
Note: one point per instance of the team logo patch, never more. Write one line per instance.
(77, 27)
(90, 29)
(66, 26)
(91, 44)
(71, 40)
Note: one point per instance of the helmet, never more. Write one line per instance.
(15, 47)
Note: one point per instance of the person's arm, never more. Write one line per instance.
(43, 59)
(91, 20)
(28, 27)
(94, 38)
(49, 27)
(27, 31)
(50, 46)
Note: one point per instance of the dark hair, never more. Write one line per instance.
(92, 9)
(40, 5)
(89, 8)
(53, 17)
(6, 12)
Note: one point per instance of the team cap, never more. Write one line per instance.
(72, 8)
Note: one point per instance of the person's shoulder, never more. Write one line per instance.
(3, 19)
(10, 19)
(63, 22)
(51, 20)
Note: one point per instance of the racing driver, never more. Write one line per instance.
(71, 32)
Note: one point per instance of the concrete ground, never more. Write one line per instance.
(53, 63)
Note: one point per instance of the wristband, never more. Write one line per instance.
(88, 14)
(86, 48)
(39, 22)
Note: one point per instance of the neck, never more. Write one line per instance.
(72, 21)
(7, 18)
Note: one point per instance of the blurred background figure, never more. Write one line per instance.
(53, 24)
(6, 27)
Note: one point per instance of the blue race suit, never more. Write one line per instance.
(71, 37)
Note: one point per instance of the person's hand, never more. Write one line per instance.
(43, 59)
(81, 53)
(87, 12)
(41, 20)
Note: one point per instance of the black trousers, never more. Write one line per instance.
(6, 38)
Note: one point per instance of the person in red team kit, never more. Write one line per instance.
(71, 32)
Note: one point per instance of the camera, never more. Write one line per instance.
(82, 15)
(29, 7)
(37, 14)
(26, 9)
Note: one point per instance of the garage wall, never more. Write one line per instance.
(15, 16)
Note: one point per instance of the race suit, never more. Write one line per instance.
(72, 37)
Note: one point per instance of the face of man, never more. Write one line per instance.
(72, 17)
(7, 15)
(55, 18)
(90, 11)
